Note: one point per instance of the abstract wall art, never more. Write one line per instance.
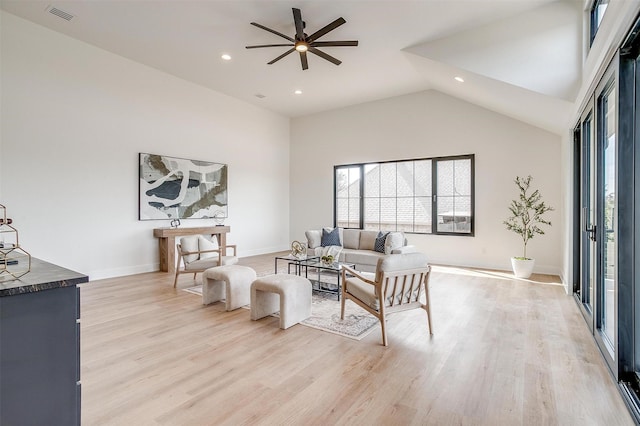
(177, 188)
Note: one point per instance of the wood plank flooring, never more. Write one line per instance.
(504, 352)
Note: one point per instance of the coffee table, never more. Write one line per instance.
(320, 266)
(292, 260)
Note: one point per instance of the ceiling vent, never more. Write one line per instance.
(60, 13)
(260, 96)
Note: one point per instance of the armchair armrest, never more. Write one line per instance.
(346, 269)
(228, 246)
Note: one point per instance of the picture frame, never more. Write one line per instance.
(177, 188)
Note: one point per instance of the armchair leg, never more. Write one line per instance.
(175, 281)
(384, 331)
(383, 320)
(427, 307)
(342, 304)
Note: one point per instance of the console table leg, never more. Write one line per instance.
(167, 252)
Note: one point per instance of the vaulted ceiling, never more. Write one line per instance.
(520, 58)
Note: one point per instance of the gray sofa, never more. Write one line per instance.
(358, 246)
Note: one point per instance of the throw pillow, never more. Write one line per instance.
(380, 240)
(204, 245)
(394, 241)
(330, 238)
(313, 238)
(189, 244)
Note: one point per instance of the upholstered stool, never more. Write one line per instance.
(230, 282)
(289, 294)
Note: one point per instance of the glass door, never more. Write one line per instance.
(587, 236)
(606, 227)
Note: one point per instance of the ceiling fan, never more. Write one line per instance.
(303, 43)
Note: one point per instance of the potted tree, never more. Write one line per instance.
(526, 217)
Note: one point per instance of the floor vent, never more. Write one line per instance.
(60, 13)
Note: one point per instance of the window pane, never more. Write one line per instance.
(354, 213)
(422, 214)
(405, 214)
(372, 180)
(422, 176)
(388, 180)
(404, 179)
(445, 213)
(371, 213)
(342, 212)
(388, 214)
(462, 177)
(342, 183)
(445, 178)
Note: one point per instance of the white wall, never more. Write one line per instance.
(75, 117)
(430, 124)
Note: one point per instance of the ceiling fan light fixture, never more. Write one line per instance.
(302, 46)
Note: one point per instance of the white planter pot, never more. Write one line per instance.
(522, 268)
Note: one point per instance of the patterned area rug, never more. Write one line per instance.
(325, 315)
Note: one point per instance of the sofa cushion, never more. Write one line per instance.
(330, 238)
(379, 245)
(367, 240)
(314, 238)
(351, 238)
(394, 240)
(363, 291)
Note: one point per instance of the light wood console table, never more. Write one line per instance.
(167, 242)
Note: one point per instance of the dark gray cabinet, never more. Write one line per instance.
(40, 347)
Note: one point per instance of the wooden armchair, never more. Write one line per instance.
(397, 285)
(199, 254)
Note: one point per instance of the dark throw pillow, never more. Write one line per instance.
(379, 244)
(330, 238)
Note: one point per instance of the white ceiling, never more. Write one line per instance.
(520, 58)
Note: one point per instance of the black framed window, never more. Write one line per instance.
(597, 13)
(426, 196)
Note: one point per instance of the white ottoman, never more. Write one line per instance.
(230, 282)
(289, 294)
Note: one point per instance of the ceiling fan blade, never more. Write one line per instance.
(334, 43)
(303, 60)
(282, 56)
(297, 19)
(273, 31)
(322, 31)
(268, 45)
(324, 55)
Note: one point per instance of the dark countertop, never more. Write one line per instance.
(43, 276)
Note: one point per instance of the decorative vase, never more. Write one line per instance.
(522, 268)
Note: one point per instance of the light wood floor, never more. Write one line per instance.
(504, 352)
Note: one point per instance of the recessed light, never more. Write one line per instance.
(298, 92)
(226, 57)
(459, 79)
